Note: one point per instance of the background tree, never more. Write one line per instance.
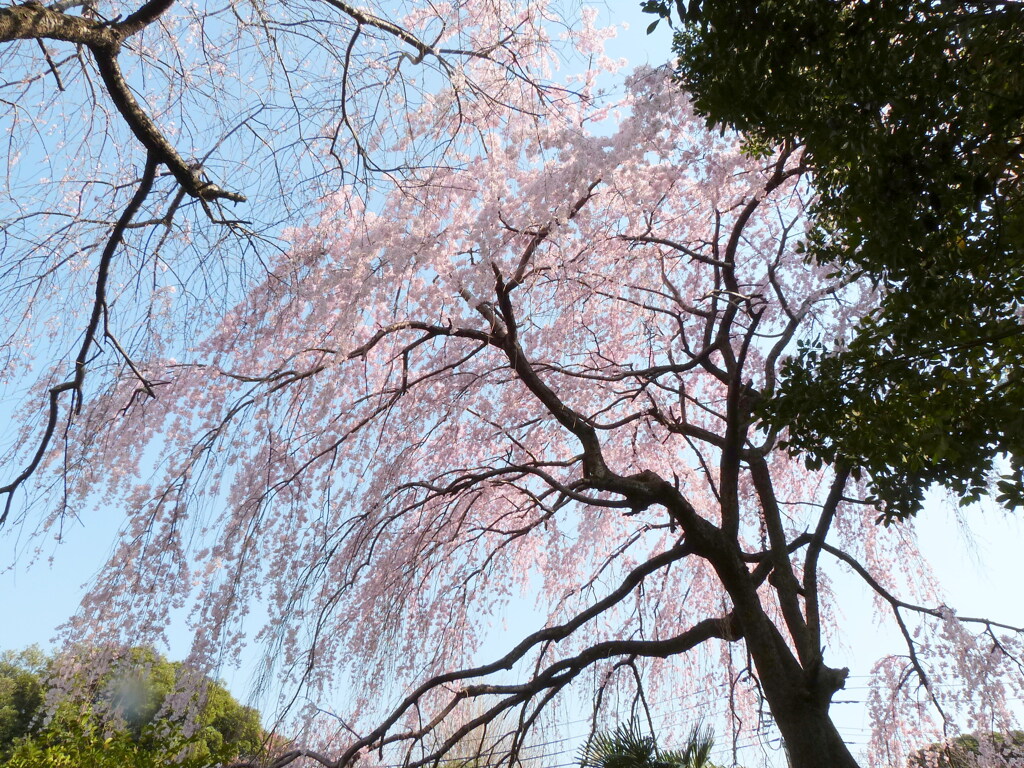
(995, 750)
(124, 717)
(535, 369)
(911, 116)
(21, 695)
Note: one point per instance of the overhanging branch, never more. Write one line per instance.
(105, 41)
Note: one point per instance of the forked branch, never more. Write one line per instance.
(99, 307)
(105, 41)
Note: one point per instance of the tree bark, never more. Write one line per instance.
(798, 687)
(799, 700)
(811, 738)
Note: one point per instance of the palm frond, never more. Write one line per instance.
(627, 747)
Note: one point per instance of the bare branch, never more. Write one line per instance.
(74, 385)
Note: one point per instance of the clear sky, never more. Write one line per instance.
(978, 565)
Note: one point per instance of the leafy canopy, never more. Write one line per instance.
(911, 114)
(123, 718)
(21, 694)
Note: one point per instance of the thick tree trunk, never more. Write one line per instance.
(799, 702)
(810, 736)
(796, 683)
(798, 693)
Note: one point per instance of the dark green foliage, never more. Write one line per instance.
(911, 113)
(120, 719)
(626, 747)
(21, 694)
